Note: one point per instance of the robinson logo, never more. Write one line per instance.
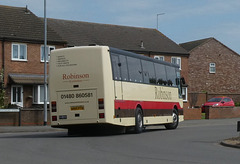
(164, 95)
(75, 76)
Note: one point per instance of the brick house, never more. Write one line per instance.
(145, 41)
(23, 32)
(213, 69)
(21, 55)
(21, 49)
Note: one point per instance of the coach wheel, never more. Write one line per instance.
(175, 116)
(138, 120)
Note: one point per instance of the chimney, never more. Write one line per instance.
(142, 46)
(26, 10)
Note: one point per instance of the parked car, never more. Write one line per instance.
(218, 101)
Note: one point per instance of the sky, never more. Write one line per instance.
(180, 20)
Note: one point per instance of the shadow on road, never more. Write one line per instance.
(86, 133)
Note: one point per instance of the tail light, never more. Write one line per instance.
(101, 103)
(54, 118)
(54, 106)
(101, 115)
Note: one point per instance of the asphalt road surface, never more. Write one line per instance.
(195, 141)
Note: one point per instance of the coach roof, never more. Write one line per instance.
(130, 54)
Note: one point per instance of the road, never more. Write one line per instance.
(195, 141)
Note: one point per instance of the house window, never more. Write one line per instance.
(176, 60)
(184, 94)
(19, 52)
(159, 58)
(49, 49)
(212, 68)
(17, 95)
(38, 94)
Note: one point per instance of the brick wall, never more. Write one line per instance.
(222, 112)
(9, 119)
(197, 99)
(28, 117)
(192, 114)
(227, 67)
(33, 65)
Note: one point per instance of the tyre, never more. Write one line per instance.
(175, 116)
(138, 120)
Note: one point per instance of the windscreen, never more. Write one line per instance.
(215, 100)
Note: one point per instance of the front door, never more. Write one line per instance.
(17, 95)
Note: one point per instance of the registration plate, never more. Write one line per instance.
(77, 107)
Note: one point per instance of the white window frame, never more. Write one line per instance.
(161, 58)
(212, 68)
(49, 49)
(184, 92)
(19, 103)
(19, 52)
(38, 98)
(179, 61)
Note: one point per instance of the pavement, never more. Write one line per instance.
(231, 142)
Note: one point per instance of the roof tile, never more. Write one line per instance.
(79, 33)
(19, 23)
(193, 44)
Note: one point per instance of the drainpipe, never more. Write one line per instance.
(3, 57)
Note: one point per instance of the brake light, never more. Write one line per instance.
(101, 103)
(54, 118)
(54, 106)
(101, 115)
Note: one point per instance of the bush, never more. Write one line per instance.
(237, 104)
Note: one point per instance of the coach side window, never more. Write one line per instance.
(182, 92)
(171, 76)
(160, 74)
(123, 68)
(135, 70)
(115, 67)
(149, 76)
